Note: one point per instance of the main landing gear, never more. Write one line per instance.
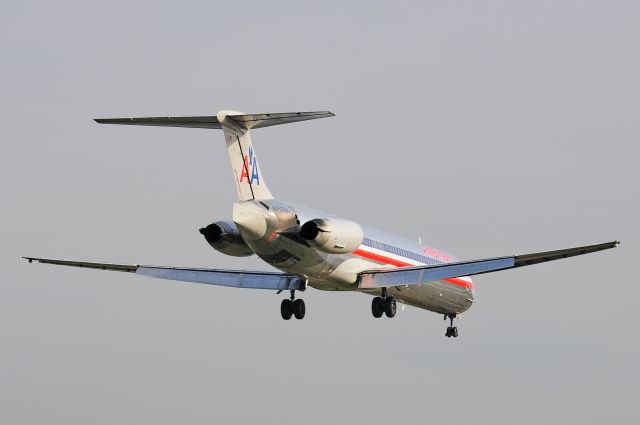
(452, 331)
(292, 307)
(383, 305)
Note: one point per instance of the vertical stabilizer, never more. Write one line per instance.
(248, 178)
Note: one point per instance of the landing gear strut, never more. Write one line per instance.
(452, 331)
(292, 307)
(383, 305)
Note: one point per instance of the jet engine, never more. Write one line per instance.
(224, 236)
(335, 236)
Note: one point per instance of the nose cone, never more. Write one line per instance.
(250, 219)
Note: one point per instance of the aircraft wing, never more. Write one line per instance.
(232, 278)
(414, 275)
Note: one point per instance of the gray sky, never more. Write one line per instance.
(487, 128)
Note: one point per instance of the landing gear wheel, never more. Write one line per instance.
(298, 309)
(390, 306)
(377, 307)
(286, 309)
(452, 331)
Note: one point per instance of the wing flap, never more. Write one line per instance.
(231, 278)
(423, 274)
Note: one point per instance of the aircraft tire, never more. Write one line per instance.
(286, 309)
(377, 307)
(299, 309)
(454, 332)
(390, 306)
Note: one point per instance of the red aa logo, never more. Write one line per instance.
(250, 169)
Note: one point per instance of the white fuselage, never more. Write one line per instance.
(270, 229)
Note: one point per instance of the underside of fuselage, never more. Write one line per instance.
(271, 229)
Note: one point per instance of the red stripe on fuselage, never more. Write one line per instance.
(393, 262)
(380, 258)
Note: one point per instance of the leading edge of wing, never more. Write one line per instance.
(414, 275)
(231, 278)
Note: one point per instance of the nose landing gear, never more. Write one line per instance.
(452, 331)
(292, 307)
(383, 305)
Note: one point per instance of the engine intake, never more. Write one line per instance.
(224, 236)
(335, 236)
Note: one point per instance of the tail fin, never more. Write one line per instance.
(236, 125)
(250, 183)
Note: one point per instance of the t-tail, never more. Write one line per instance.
(249, 180)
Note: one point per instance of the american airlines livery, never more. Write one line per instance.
(313, 248)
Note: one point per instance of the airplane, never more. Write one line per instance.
(317, 249)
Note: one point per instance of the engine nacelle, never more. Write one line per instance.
(224, 236)
(336, 236)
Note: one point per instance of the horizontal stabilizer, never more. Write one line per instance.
(193, 122)
(266, 120)
(244, 121)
